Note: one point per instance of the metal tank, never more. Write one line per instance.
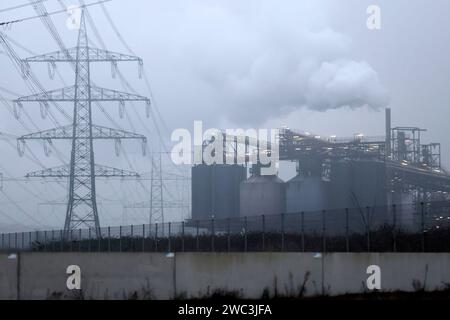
(370, 183)
(341, 190)
(360, 186)
(356, 184)
(262, 194)
(308, 193)
(215, 191)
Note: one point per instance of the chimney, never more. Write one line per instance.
(388, 132)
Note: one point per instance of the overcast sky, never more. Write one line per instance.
(311, 65)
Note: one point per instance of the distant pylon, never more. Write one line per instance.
(156, 192)
(82, 171)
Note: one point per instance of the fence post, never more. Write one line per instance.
(3, 241)
(245, 234)
(282, 232)
(422, 225)
(212, 234)
(79, 240)
(89, 240)
(61, 239)
(324, 238)
(182, 236)
(143, 237)
(156, 236)
(368, 228)
(263, 233)
(53, 240)
(109, 239)
(228, 235)
(394, 228)
(120, 238)
(347, 240)
(29, 240)
(170, 238)
(131, 238)
(45, 241)
(196, 237)
(71, 242)
(15, 241)
(98, 234)
(37, 239)
(23, 241)
(302, 222)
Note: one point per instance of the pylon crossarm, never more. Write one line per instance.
(66, 133)
(95, 55)
(64, 172)
(58, 172)
(67, 94)
(99, 132)
(61, 133)
(105, 171)
(102, 94)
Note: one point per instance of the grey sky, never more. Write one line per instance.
(237, 64)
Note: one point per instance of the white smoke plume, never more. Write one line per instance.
(275, 63)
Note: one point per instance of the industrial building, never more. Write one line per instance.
(215, 191)
(332, 174)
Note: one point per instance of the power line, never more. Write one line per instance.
(20, 208)
(21, 6)
(9, 91)
(50, 13)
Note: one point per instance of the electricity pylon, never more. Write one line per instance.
(82, 170)
(156, 192)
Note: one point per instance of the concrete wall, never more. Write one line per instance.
(8, 276)
(103, 275)
(248, 274)
(158, 276)
(346, 272)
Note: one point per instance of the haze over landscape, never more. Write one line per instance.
(313, 66)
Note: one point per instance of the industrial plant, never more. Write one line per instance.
(255, 214)
(332, 174)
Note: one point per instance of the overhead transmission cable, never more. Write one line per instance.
(19, 6)
(10, 22)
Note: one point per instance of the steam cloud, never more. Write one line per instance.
(263, 69)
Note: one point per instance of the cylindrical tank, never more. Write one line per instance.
(356, 184)
(215, 191)
(369, 183)
(341, 192)
(306, 194)
(265, 194)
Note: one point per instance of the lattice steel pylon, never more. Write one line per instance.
(82, 204)
(156, 192)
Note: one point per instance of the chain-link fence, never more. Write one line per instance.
(407, 228)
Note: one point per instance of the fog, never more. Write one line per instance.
(312, 65)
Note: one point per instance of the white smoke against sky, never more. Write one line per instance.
(269, 61)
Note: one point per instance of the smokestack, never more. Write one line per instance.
(388, 132)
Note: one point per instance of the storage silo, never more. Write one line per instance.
(370, 183)
(310, 193)
(358, 184)
(201, 192)
(341, 191)
(215, 190)
(262, 194)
